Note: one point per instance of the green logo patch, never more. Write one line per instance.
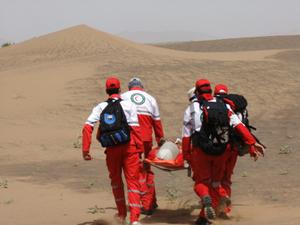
(138, 99)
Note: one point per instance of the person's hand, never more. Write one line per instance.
(256, 151)
(260, 149)
(86, 156)
(161, 142)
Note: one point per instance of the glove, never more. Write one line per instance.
(86, 156)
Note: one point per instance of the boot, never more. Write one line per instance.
(221, 209)
(202, 221)
(147, 212)
(209, 211)
(150, 211)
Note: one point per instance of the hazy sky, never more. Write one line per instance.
(23, 19)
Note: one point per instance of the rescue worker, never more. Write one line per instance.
(208, 170)
(149, 119)
(122, 157)
(221, 91)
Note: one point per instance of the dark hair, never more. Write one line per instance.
(221, 95)
(200, 91)
(112, 91)
(205, 91)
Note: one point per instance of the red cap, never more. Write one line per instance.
(112, 82)
(221, 89)
(203, 85)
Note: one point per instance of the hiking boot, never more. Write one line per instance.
(224, 203)
(147, 212)
(224, 216)
(202, 221)
(209, 211)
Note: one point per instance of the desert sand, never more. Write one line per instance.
(49, 84)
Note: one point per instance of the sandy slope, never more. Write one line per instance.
(49, 84)
(237, 44)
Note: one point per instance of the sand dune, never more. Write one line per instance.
(237, 44)
(85, 43)
(49, 84)
(76, 42)
(292, 56)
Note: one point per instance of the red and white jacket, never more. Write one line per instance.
(192, 123)
(130, 112)
(148, 113)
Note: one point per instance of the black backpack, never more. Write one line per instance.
(239, 105)
(240, 102)
(214, 134)
(113, 129)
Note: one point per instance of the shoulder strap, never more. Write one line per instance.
(110, 103)
(201, 102)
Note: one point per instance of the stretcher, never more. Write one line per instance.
(168, 157)
(165, 168)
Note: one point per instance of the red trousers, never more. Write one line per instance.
(148, 195)
(230, 164)
(208, 172)
(118, 159)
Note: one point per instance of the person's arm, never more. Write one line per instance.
(86, 141)
(157, 125)
(186, 135)
(255, 149)
(88, 130)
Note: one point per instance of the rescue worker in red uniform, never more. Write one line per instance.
(208, 170)
(221, 91)
(122, 157)
(149, 120)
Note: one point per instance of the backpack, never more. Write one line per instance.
(113, 129)
(239, 105)
(214, 134)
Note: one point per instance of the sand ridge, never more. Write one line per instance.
(237, 44)
(81, 42)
